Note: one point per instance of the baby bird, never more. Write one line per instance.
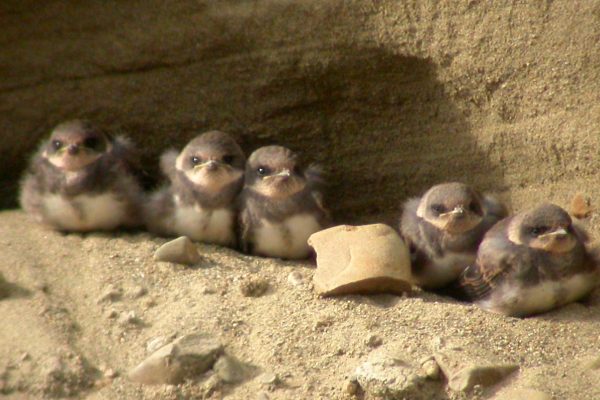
(531, 263)
(281, 205)
(199, 202)
(443, 230)
(80, 180)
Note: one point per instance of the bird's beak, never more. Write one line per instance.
(458, 211)
(210, 165)
(284, 173)
(73, 149)
(559, 232)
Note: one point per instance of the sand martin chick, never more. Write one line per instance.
(530, 263)
(81, 180)
(443, 230)
(280, 204)
(205, 179)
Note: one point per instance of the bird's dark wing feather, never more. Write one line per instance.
(494, 263)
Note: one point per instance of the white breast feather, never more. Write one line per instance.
(85, 212)
(517, 300)
(204, 225)
(287, 239)
(445, 269)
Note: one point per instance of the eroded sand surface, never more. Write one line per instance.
(55, 316)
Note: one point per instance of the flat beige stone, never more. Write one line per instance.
(360, 260)
(181, 251)
(466, 366)
(189, 356)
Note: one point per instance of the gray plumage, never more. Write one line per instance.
(443, 230)
(81, 179)
(531, 263)
(199, 200)
(281, 204)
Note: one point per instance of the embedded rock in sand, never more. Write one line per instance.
(186, 357)
(360, 259)
(180, 251)
(388, 374)
(231, 370)
(466, 366)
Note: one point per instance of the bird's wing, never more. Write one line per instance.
(494, 263)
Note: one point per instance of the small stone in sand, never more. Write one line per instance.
(374, 341)
(156, 343)
(128, 318)
(387, 375)
(180, 251)
(254, 287)
(268, 378)
(295, 278)
(231, 370)
(137, 291)
(466, 366)
(110, 295)
(187, 357)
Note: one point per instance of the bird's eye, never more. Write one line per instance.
(262, 171)
(91, 143)
(57, 144)
(195, 160)
(228, 159)
(297, 170)
(473, 207)
(538, 230)
(438, 208)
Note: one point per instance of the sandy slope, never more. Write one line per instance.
(313, 344)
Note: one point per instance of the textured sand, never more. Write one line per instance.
(313, 344)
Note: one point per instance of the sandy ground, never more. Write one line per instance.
(312, 344)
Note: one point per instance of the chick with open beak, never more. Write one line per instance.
(199, 202)
(531, 263)
(82, 180)
(281, 205)
(444, 228)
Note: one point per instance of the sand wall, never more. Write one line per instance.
(389, 96)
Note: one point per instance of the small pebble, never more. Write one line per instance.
(207, 290)
(430, 368)
(138, 291)
(180, 251)
(154, 344)
(149, 303)
(269, 378)
(295, 278)
(110, 373)
(374, 341)
(128, 318)
(254, 287)
(110, 294)
(351, 387)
